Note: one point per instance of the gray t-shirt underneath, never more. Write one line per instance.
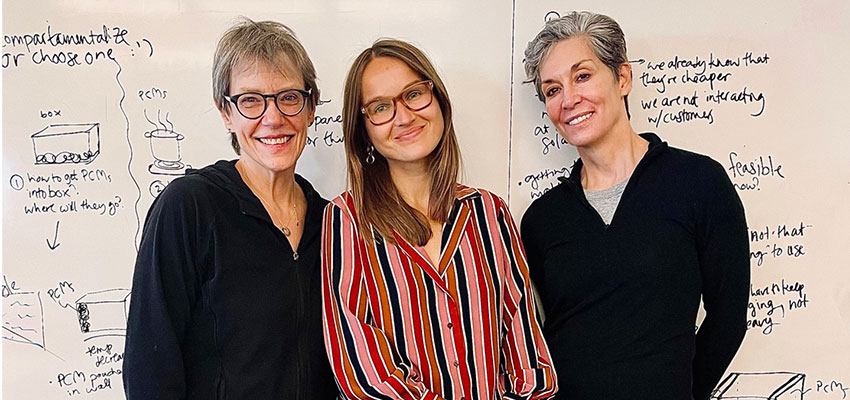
(605, 201)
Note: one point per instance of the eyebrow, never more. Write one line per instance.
(389, 97)
(247, 89)
(574, 67)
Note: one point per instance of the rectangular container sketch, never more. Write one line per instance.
(761, 385)
(104, 311)
(23, 319)
(67, 143)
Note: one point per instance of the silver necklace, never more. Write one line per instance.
(285, 228)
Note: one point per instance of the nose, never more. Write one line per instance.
(403, 115)
(569, 98)
(272, 115)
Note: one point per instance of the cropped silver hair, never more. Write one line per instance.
(268, 42)
(603, 33)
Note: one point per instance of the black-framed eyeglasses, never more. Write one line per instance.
(415, 97)
(252, 105)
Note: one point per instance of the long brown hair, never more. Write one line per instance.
(376, 198)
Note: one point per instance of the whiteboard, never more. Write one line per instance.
(93, 131)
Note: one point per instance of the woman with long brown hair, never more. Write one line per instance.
(425, 288)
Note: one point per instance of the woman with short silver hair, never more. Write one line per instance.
(623, 249)
(226, 289)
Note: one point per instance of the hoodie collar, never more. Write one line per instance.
(656, 147)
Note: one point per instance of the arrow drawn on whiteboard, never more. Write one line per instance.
(55, 243)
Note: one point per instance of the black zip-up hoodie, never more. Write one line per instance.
(221, 306)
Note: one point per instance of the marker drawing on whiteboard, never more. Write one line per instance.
(67, 144)
(686, 89)
(55, 243)
(761, 385)
(103, 313)
(130, 158)
(165, 147)
(23, 317)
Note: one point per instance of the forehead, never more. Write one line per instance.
(258, 72)
(386, 76)
(565, 54)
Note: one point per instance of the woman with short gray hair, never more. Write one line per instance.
(623, 249)
(226, 290)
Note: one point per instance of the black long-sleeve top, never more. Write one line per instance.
(621, 300)
(220, 308)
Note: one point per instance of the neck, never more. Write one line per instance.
(413, 183)
(612, 160)
(272, 187)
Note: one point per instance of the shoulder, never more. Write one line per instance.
(341, 206)
(554, 198)
(312, 195)
(479, 197)
(706, 175)
(189, 191)
(692, 163)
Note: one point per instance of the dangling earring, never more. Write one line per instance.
(370, 154)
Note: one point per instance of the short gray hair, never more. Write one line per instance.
(267, 42)
(603, 33)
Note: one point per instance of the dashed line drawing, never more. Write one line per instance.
(103, 313)
(761, 385)
(165, 147)
(67, 144)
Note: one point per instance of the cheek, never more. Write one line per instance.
(553, 109)
(377, 134)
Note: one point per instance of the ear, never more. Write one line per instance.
(311, 116)
(625, 75)
(225, 116)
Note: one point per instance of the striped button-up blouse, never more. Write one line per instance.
(397, 326)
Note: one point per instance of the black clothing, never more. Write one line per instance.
(621, 300)
(220, 308)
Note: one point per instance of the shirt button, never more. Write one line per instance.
(456, 363)
(449, 325)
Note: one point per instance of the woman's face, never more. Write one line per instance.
(272, 142)
(583, 99)
(409, 137)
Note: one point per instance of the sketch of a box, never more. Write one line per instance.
(67, 143)
(104, 311)
(761, 385)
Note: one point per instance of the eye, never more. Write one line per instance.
(413, 94)
(582, 77)
(249, 100)
(551, 91)
(379, 107)
(289, 97)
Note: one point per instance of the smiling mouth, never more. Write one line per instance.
(277, 140)
(410, 134)
(579, 118)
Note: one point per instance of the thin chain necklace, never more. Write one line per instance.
(294, 212)
(284, 227)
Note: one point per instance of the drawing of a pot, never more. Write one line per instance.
(165, 149)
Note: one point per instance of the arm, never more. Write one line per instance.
(725, 267)
(529, 372)
(163, 291)
(364, 361)
(535, 258)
